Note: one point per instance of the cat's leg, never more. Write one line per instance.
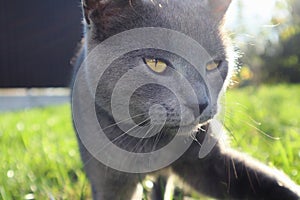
(230, 174)
(107, 183)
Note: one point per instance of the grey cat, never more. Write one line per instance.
(223, 173)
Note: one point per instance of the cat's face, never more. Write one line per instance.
(165, 71)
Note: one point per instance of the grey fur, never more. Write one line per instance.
(224, 173)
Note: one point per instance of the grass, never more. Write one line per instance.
(265, 123)
(39, 157)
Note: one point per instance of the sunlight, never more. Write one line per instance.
(252, 20)
(256, 14)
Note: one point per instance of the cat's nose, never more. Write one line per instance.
(199, 108)
(202, 107)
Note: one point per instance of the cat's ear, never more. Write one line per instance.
(217, 8)
(90, 6)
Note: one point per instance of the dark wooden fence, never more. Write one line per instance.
(38, 38)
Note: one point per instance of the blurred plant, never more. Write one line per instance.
(271, 54)
(284, 64)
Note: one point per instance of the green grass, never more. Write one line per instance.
(265, 122)
(39, 156)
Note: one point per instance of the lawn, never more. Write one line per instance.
(39, 157)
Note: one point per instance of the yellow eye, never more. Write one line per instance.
(156, 65)
(212, 65)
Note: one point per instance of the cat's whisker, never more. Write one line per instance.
(243, 113)
(136, 129)
(240, 112)
(146, 142)
(236, 104)
(124, 120)
(115, 139)
(141, 139)
(137, 125)
(262, 132)
(193, 136)
(230, 132)
(256, 128)
(201, 129)
(157, 138)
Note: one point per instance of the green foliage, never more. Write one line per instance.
(39, 155)
(284, 64)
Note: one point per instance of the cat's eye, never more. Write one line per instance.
(212, 65)
(156, 65)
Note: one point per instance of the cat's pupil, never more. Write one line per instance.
(156, 65)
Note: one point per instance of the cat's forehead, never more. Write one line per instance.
(189, 17)
(177, 11)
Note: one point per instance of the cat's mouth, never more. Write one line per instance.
(197, 125)
(193, 123)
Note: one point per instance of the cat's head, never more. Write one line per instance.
(198, 19)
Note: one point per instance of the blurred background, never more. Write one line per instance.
(38, 39)
(267, 33)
